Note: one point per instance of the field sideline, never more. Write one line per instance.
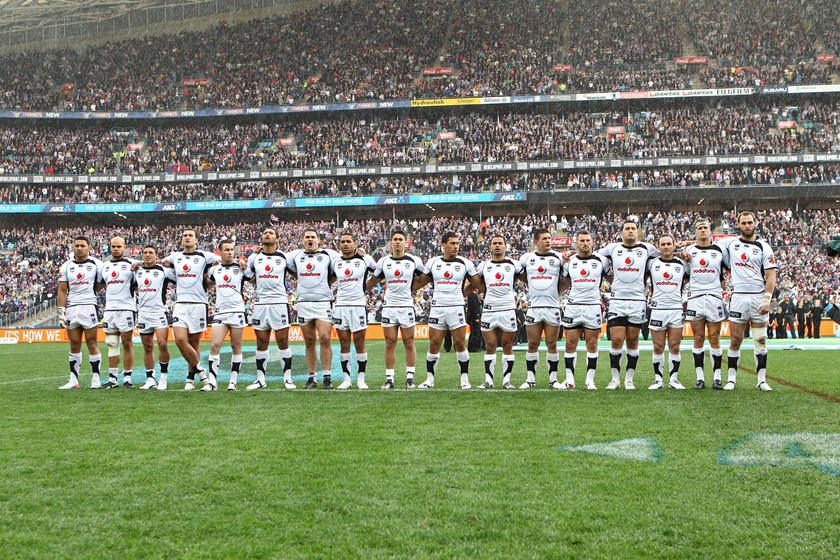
(437, 474)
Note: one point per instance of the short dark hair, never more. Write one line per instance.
(152, 247)
(673, 239)
(189, 229)
(583, 232)
(629, 221)
(495, 235)
(81, 238)
(224, 242)
(398, 232)
(539, 232)
(348, 234)
(447, 236)
(745, 212)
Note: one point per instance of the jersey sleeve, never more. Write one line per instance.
(471, 270)
(249, 268)
(170, 257)
(769, 259)
(291, 263)
(377, 272)
(169, 274)
(100, 279)
(652, 251)
(565, 272)
(369, 262)
(212, 258)
(419, 267)
(606, 251)
(480, 268)
(607, 264)
(62, 273)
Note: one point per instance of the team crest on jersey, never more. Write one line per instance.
(639, 254)
(320, 258)
(438, 266)
(357, 264)
(195, 260)
(550, 262)
(388, 265)
(156, 273)
(574, 265)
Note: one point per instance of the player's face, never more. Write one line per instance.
(269, 237)
(149, 257)
(629, 233)
(310, 241)
(227, 253)
(747, 225)
(498, 247)
(347, 245)
(584, 245)
(703, 233)
(117, 247)
(81, 249)
(398, 244)
(666, 247)
(450, 248)
(543, 243)
(189, 240)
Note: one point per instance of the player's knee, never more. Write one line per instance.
(112, 341)
(760, 338)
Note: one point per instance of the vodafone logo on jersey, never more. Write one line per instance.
(309, 266)
(226, 278)
(703, 262)
(447, 274)
(186, 267)
(666, 275)
(79, 276)
(584, 272)
(114, 274)
(268, 268)
(744, 256)
(498, 276)
(146, 282)
(397, 273)
(628, 260)
(541, 269)
(347, 272)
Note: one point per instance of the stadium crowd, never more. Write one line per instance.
(355, 51)
(30, 258)
(696, 128)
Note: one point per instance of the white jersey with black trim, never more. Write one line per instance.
(351, 276)
(313, 273)
(586, 274)
(81, 278)
(706, 270)
(152, 283)
(629, 266)
(747, 261)
(448, 277)
(190, 286)
(667, 279)
(399, 273)
(543, 272)
(499, 278)
(269, 269)
(119, 285)
(228, 279)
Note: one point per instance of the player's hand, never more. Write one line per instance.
(567, 254)
(764, 307)
(684, 255)
(62, 317)
(243, 264)
(361, 251)
(166, 263)
(135, 265)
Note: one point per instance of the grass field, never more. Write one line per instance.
(437, 474)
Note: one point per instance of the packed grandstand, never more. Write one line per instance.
(430, 99)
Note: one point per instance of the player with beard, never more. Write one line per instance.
(229, 315)
(120, 313)
(498, 315)
(152, 283)
(753, 270)
(627, 311)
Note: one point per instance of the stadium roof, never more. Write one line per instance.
(28, 22)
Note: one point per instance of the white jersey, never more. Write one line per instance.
(499, 278)
(629, 266)
(351, 276)
(152, 284)
(399, 272)
(269, 269)
(706, 270)
(313, 273)
(747, 261)
(119, 285)
(228, 279)
(81, 281)
(667, 278)
(586, 275)
(543, 273)
(448, 277)
(189, 270)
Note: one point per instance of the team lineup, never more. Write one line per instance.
(661, 286)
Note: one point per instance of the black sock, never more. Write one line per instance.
(570, 364)
(716, 361)
(487, 371)
(164, 367)
(615, 361)
(345, 367)
(150, 374)
(699, 359)
(761, 361)
(632, 361)
(592, 363)
(657, 369)
(465, 366)
(732, 363)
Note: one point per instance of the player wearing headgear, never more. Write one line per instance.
(313, 267)
(350, 310)
(498, 315)
(667, 275)
(120, 313)
(267, 269)
(753, 270)
(189, 317)
(585, 273)
(152, 283)
(628, 299)
(228, 315)
(79, 278)
(543, 268)
(704, 308)
(398, 271)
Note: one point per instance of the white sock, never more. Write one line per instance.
(658, 364)
(630, 373)
(409, 373)
(345, 361)
(213, 363)
(732, 373)
(431, 366)
(674, 366)
(553, 361)
(590, 372)
(717, 353)
(507, 364)
(389, 374)
(235, 364)
(616, 372)
(570, 373)
(534, 359)
(489, 367)
(361, 365)
(75, 364)
(701, 376)
(286, 357)
(464, 364)
(261, 355)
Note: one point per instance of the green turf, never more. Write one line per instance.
(439, 474)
